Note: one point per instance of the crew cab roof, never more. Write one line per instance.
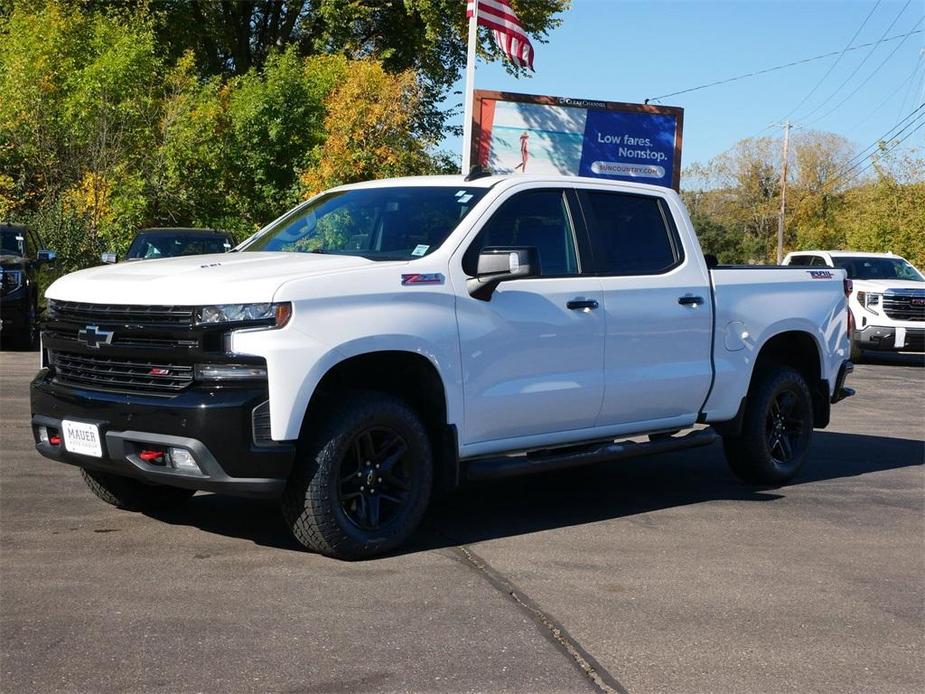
(493, 180)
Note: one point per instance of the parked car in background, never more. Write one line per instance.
(20, 258)
(887, 300)
(389, 338)
(149, 244)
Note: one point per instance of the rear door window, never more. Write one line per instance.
(631, 234)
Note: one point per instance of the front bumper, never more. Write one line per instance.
(889, 338)
(214, 425)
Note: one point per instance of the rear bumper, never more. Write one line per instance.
(889, 338)
(214, 425)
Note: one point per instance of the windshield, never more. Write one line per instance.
(867, 268)
(170, 245)
(12, 242)
(400, 223)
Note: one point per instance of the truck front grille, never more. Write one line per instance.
(76, 312)
(122, 339)
(120, 374)
(905, 305)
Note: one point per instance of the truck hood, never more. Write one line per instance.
(881, 286)
(222, 278)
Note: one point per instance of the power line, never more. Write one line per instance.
(781, 67)
(912, 84)
(837, 60)
(860, 65)
(886, 150)
(891, 133)
(890, 137)
(905, 83)
(858, 88)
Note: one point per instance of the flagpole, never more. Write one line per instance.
(470, 88)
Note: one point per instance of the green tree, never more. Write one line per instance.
(76, 109)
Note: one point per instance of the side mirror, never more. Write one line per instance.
(46, 256)
(109, 258)
(497, 265)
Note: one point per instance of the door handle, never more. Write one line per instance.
(689, 300)
(582, 304)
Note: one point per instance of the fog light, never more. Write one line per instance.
(43, 434)
(182, 459)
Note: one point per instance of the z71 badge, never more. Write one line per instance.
(820, 274)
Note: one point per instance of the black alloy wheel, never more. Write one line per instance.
(376, 478)
(776, 430)
(784, 426)
(362, 477)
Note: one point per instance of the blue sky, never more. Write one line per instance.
(628, 50)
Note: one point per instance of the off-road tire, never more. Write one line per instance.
(133, 495)
(751, 454)
(313, 502)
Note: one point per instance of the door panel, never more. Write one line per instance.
(533, 356)
(531, 365)
(658, 308)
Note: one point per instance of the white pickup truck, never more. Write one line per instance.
(387, 340)
(887, 301)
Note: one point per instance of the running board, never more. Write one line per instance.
(511, 466)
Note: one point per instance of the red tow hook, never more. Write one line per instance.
(54, 440)
(152, 456)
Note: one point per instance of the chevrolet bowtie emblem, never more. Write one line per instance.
(91, 336)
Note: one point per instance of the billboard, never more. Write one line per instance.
(524, 133)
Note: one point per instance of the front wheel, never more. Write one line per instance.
(776, 430)
(362, 479)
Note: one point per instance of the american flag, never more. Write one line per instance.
(498, 15)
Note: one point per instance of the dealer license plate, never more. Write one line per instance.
(82, 438)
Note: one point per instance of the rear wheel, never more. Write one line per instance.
(362, 480)
(132, 495)
(776, 430)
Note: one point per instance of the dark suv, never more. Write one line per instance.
(19, 291)
(168, 243)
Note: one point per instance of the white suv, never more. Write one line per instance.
(887, 302)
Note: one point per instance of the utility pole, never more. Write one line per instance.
(783, 192)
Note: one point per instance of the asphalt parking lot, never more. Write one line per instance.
(655, 575)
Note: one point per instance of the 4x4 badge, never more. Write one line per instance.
(91, 336)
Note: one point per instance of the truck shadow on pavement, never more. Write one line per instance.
(605, 491)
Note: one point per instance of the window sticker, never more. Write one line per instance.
(463, 199)
(420, 249)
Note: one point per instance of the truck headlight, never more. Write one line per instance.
(10, 281)
(270, 315)
(870, 301)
